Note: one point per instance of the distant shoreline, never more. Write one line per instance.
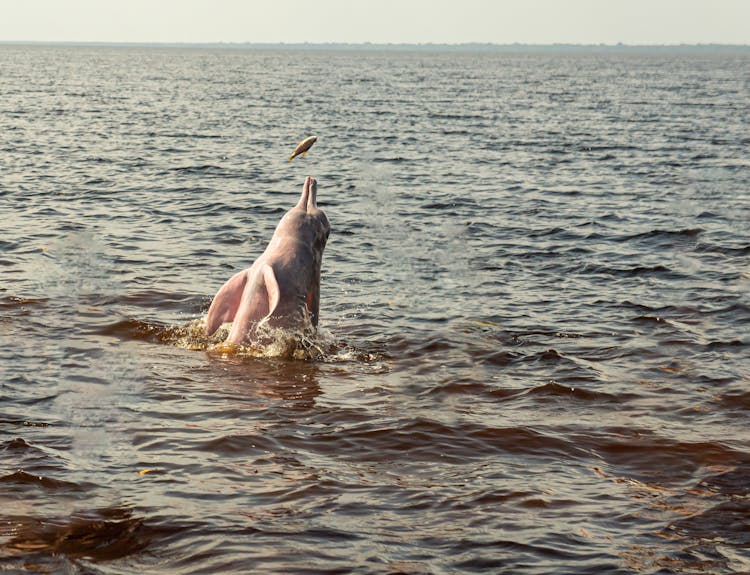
(467, 47)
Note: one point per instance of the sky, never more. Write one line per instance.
(379, 21)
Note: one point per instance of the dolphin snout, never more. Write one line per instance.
(312, 199)
(309, 195)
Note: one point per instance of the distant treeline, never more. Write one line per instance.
(468, 47)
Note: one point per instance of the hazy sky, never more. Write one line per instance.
(440, 21)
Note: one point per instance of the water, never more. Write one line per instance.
(534, 348)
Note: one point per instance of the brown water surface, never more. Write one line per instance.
(534, 353)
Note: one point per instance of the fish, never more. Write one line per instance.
(303, 147)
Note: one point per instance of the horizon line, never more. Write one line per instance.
(454, 45)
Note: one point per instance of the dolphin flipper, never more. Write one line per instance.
(258, 301)
(272, 288)
(313, 302)
(226, 302)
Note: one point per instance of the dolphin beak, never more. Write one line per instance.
(309, 194)
(311, 200)
(305, 193)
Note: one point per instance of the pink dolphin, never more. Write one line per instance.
(282, 287)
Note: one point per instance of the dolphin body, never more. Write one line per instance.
(282, 287)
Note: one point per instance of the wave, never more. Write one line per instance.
(556, 390)
(667, 235)
(657, 270)
(709, 248)
(21, 477)
(102, 535)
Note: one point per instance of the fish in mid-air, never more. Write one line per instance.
(303, 147)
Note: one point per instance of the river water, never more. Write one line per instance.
(534, 354)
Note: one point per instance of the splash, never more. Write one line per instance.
(303, 343)
(306, 344)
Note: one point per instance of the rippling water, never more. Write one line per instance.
(535, 345)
